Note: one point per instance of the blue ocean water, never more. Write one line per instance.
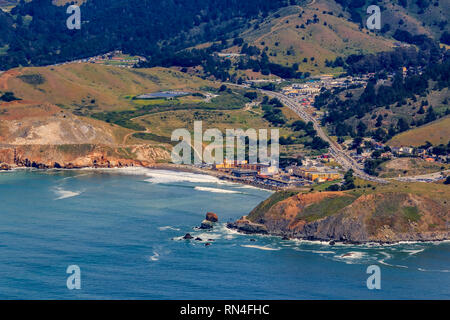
(123, 229)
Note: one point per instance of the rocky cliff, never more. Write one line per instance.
(384, 217)
(42, 135)
(81, 156)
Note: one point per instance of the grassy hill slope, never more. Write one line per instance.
(313, 31)
(93, 86)
(436, 132)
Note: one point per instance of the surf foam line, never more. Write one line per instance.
(387, 257)
(168, 228)
(426, 270)
(259, 247)
(161, 176)
(215, 190)
(64, 194)
(155, 256)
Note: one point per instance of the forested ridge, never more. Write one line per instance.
(143, 27)
(403, 90)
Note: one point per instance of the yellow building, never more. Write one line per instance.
(315, 175)
(230, 164)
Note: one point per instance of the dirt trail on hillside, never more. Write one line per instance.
(5, 77)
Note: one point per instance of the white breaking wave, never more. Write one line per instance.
(320, 251)
(155, 256)
(246, 186)
(77, 176)
(259, 247)
(215, 190)
(353, 255)
(168, 228)
(413, 252)
(64, 194)
(387, 257)
(160, 175)
(167, 176)
(425, 270)
(315, 242)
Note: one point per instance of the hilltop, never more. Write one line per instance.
(310, 34)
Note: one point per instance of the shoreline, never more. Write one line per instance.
(332, 242)
(232, 226)
(157, 166)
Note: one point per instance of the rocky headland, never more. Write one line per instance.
(350, 217)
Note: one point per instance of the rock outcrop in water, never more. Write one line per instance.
(210, 219)
(384, 217)
(211, 216)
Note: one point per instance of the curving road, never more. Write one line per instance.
(335, 149)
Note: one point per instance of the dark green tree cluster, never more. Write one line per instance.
(429, 52)
(395, 93)
(141, 27)
(8, 97)
(272, 111)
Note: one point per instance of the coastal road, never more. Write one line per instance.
(335, 149)
(430, 177)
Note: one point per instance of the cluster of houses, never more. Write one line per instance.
(251, 82)
(305, 93)
(366, 152)
(311, 171)
(314, 170)
(116, 58)
(425, 154)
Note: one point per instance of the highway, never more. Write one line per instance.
(336, 151)
(430, 177)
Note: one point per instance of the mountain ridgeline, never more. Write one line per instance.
(37, 34)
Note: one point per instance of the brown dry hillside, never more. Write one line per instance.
(40, 128)
(93, 86)
(26, 123)
(46, 136)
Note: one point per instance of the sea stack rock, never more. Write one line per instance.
(209, 221)
(206, 224)
(211, 216)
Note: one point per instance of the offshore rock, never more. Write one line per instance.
(211, 216)
(206, 224)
